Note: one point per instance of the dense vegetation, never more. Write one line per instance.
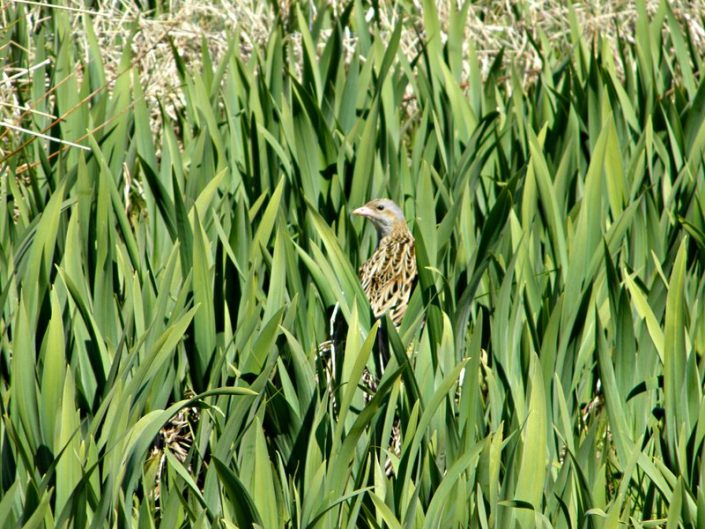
(191, 270)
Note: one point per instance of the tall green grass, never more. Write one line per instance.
(560, 234)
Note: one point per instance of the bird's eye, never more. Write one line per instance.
(380, 207)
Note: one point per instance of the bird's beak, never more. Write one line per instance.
(364, 211)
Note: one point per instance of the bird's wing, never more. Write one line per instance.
(388, 276)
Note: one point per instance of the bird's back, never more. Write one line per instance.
(388, 276)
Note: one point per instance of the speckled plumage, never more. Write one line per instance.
(387, 279)
(388, 276)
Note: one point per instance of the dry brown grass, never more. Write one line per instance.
(491, 26)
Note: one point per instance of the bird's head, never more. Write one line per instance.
(384, 214)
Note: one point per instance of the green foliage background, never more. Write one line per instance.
(560, 227)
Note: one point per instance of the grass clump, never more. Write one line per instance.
(183, 274)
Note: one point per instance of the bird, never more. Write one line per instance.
(387, 279)
(388, 276)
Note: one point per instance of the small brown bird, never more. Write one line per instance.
(388, 276)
